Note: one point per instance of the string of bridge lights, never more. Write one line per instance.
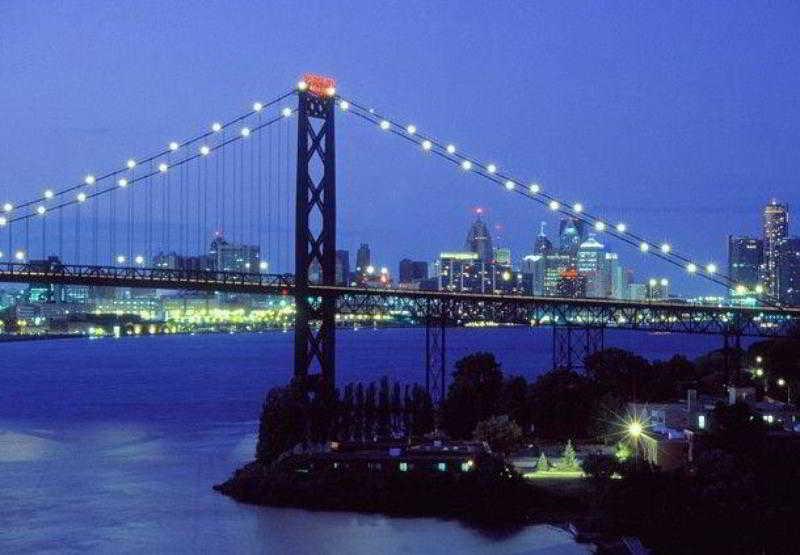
(535, 191)
(40, 207)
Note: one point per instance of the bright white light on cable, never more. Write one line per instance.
(131, 164)
(48, 194)
(534, 188)
(245, 131)
(41, 210)
(466, 165)
(19, 255)
(711, 268)
(426, 145)
(216, 127)
(510, 185)
(81, 197)
(162, 167)
(139, 259)
(122, 182)
(89, 180)
(622, 228)
(257, 106)
(491, 168)
(599, 226)
(121, 259)
(577, 208)
(174, 146)
(8, 207)
(286, 112)
(411, 129)
(451, 149)
(644, 247)
(302, 85)
(691, 267)
(385, 125)
(665, 248)
(204, 150)
(344, 105)
(554, 205)
(263, 265)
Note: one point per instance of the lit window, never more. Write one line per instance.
(441, 467)
(403, 467)
(701, 421)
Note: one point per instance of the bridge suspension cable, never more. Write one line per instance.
(132, 163)
(534, 191)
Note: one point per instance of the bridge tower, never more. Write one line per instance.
(315, 234)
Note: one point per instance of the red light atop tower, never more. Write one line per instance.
(319, 85)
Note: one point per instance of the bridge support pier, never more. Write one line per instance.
(315, 243)
(435, 352)
(573, 344)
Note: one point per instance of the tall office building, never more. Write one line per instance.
(363, 258)
(618, 278)
(776, 229)
(542, 246)
(592, 265)
(231, 257)
(788, 282)
(571, 233)
(479, 240)
(342, 267)
(745, 264)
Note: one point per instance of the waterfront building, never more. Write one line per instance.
(479, 241)
(461, 271)
(745, 265)
(363, 258)
(554, 265)
(657, 289)
(788, 278)
(776, 229)
(412, 271)
(542, 246)
(571, 284)
(502, 256)
(231, 257)
(637, 292)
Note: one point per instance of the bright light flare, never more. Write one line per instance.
(451, 149)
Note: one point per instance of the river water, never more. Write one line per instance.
(112, 445)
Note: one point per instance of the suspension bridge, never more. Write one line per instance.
(135, 227)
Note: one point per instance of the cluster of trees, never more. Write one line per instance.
(371, 412)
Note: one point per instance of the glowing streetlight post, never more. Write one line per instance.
(785, 383)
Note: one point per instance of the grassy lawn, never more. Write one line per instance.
(555, 474)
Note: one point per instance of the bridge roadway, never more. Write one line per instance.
(452, 308)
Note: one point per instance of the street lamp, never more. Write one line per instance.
(784, 383)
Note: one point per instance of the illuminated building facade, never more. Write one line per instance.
(776, 229)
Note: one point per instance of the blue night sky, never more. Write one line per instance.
(681, 119)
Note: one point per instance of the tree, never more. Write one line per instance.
(474, 394)
(284, 421)
(562, 404)
(370, 412)
(384, 413)
(542, 465)
(600, 466)
(569, 459)
(501, 433)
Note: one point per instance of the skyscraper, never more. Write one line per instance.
(342, 267)
(479, 240)
(542, 246)
(592, 265)
(571, 233)
(788, 282)
(363, 258)
(776, 229)
(745, 263)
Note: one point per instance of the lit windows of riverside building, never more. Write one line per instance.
(745, 267)
(591, 264)
(788, 277)
(776, 229)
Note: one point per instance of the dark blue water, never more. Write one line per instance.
(111, 446)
